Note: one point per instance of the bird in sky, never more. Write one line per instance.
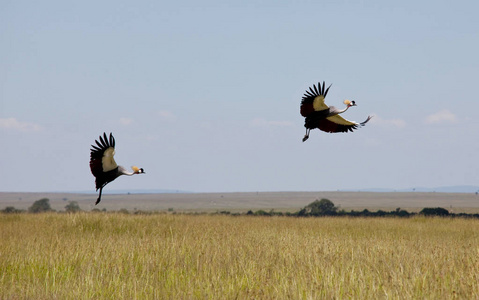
(319, 115)
(103, 165)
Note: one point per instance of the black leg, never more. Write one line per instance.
(306, 136)
(99, 197)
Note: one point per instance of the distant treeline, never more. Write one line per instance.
(318, 208)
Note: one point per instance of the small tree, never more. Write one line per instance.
(72, 207)
(42, 205)
(323, 207)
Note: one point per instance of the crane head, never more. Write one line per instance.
(137, 170)
(350, 103)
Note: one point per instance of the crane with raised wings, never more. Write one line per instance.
(103, 165)
(326, 118)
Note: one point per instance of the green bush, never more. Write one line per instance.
(436, 211)
(323, 207)
(11, 210)
(72, 207)
(42, 205)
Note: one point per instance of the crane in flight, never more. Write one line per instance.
(103, 165)
(319, 115)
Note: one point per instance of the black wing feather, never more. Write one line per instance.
(99, 144)
(314, 92)
(325, 93)
(104, 140)
(102, 144)
(112, 140)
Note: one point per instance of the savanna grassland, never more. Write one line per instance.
(174, 256)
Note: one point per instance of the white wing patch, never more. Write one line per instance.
(340, 120)
(107, 161)
(318, 103)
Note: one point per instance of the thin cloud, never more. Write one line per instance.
(398, 123)
(443, 116)
(126, 121)
(259, 122)
(14, 124)
(166, 115)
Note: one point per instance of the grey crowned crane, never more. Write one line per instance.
(103, 165)
(326, 118)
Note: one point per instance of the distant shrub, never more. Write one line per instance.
(42, 205)
(276, 213)
(261, 213)
(11, 210)
(437, 211)
(72, 207)
(124, 211)
(143, 212)
(301, 213)
(323, 207)
(402, 213)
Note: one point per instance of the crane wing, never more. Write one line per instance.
(108, 162)
(101, 155)
(313, 100)
(337, 123)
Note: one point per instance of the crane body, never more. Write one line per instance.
(326, 118)
(103, 165)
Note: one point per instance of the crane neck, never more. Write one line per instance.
(343, 110)
(124, 171)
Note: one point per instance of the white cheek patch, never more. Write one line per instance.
(108, 162)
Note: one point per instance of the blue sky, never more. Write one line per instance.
(204, 95)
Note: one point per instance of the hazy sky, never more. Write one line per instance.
(204, 95)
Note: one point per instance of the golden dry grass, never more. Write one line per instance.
(115, 256)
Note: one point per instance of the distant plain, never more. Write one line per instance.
(244, 201)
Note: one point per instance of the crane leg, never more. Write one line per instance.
(99, 197)
(306, 136)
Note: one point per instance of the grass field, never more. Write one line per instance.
(168, 256)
